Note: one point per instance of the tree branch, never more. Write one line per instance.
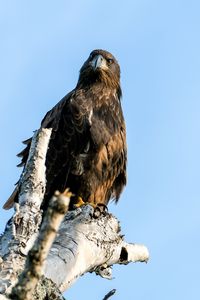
(89, 244)
(110, 294)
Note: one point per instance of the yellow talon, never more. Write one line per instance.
(80, 202)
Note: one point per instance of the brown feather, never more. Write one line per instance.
(27, 142)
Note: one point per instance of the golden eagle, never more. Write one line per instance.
(87, 151)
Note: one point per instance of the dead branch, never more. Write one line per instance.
(110, 294)
(89, 244)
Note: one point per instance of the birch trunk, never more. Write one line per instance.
(21, 231)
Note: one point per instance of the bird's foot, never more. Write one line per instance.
(99, 208)
(80, 203)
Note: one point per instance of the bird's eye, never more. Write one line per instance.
(110, 60)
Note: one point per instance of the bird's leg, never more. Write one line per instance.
(79, 202)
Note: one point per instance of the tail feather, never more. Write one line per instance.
(27, 142)
(11, 200)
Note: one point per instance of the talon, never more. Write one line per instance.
(102, 207)
(80, 202)
(97, 212)
(99, 209)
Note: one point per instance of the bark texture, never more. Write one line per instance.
(29, 278)
(22, 229)
(87, 243)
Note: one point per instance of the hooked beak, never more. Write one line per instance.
(99, 62)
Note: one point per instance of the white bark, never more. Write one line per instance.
(2, 297)
(21, 231)
(86, 243)
(33, 269)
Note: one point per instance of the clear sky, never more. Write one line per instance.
(157, 43)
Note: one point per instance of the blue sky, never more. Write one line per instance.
(43, 45)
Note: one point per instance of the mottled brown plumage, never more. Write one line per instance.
(87, 150)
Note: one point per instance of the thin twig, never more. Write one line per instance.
(110, 294)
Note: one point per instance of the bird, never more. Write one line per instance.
(87, 150)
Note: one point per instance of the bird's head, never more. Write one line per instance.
(100, 67)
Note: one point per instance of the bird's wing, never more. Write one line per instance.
(69, 122)
(50, 120)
